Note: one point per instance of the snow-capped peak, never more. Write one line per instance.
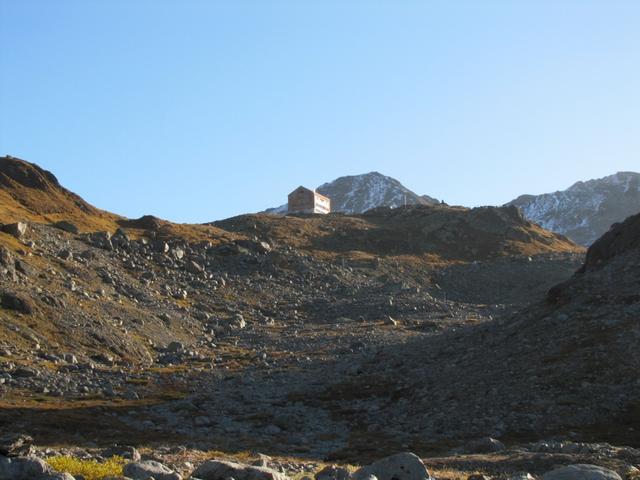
(359, 193)
(587, 209)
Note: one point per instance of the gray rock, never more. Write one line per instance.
(58, 476)
(332, 472)
(101, 240)
(23, 267)
(581, 472)
(24, 372)
(149, 468)
(120, 239)
(67, 227)
(193, 267)
(222, 470)
(65, 254)
(402, 466)
(23, 468)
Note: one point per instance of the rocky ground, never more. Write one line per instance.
(317, 340)
(91, 319)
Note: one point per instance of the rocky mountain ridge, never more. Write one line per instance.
(585, 210)
(359, 193)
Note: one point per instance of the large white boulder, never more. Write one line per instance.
(402, 466)
(581, 472)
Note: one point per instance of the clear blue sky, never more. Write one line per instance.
(199, 110)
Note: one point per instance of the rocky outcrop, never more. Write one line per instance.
(621, 238)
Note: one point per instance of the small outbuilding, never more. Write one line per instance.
(303, 200)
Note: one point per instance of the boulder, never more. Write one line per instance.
(402, 466)
(101, 240)
(103, 358)
(581, 472)
(65, 254)
(193, 267)
(25, 372)
(23, 268)
(67, 227)
(13, 301)
(24, 468)
(120, 239)
(332, 472)
(222, 470)
(264, 247)
(175, 347)
(149, 468)
(18, 229)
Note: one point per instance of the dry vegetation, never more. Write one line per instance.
(89, 469)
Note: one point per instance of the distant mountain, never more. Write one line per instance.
(359, 193)
(585, 210)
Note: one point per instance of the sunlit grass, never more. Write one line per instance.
(89, 469)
